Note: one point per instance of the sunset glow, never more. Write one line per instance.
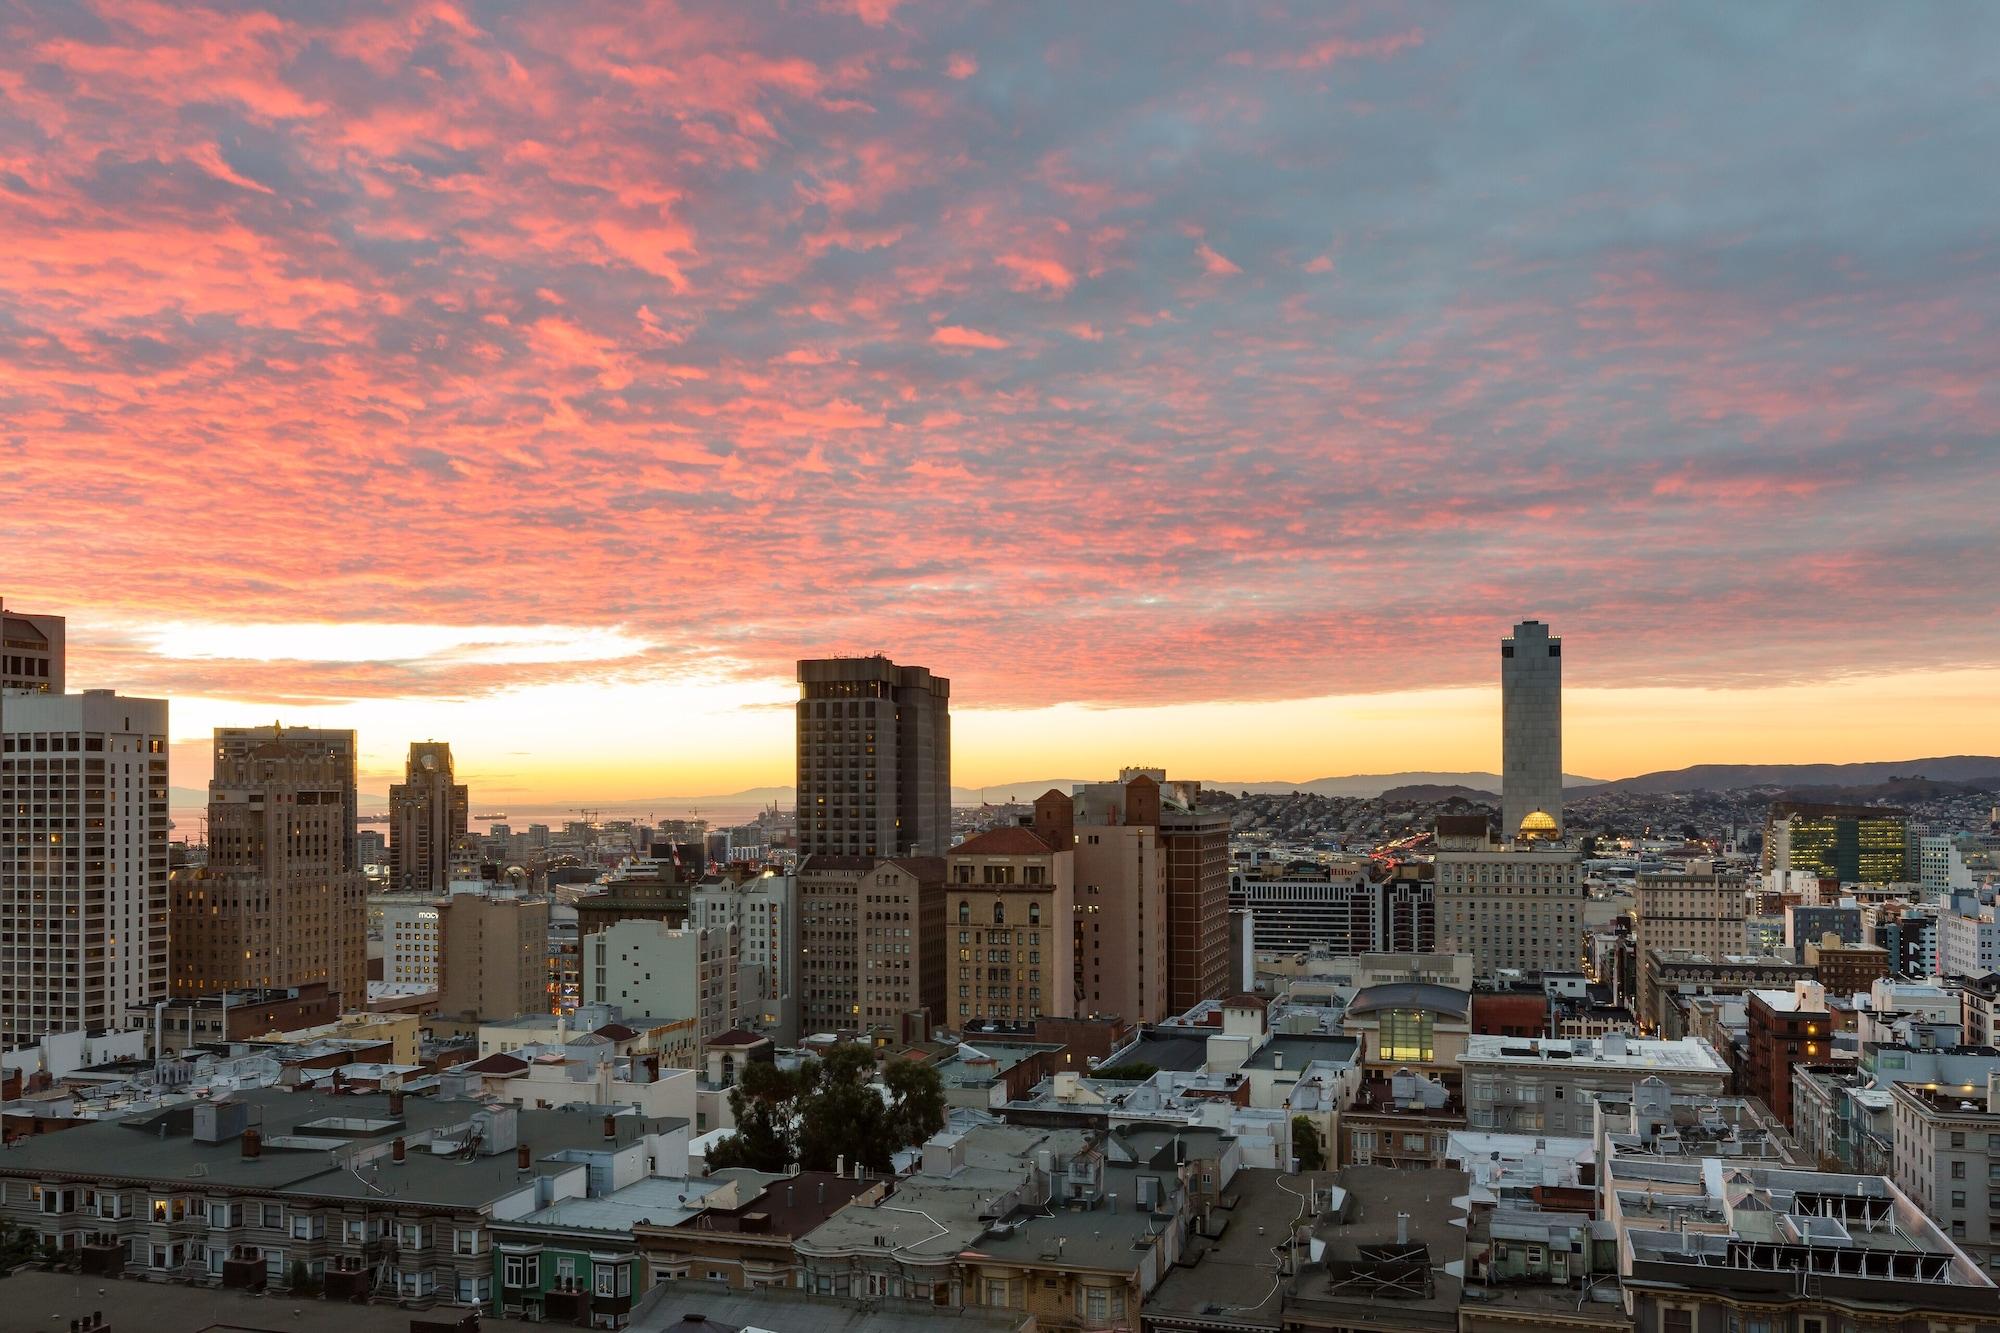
(1188, 390)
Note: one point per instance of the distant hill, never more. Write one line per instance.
(1730, 777)
(1375, 784)
(1427, 793)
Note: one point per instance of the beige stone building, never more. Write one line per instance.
(278, 904)
(428, 815)
(1695, 909)
(1011, 904)
(1516, 904)
(1121, 897)
(493, 949)
(871, 942)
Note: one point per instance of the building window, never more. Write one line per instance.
(612, 1279)
(1407, 1034)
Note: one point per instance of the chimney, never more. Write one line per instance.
(396, 1149)
(395, 1102)
(253, 1144)
(523, 1159)
(610, 1127)
(840, 1165)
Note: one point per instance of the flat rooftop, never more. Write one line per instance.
(1297, 1051)
(1686, 1055)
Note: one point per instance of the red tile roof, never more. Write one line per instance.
(497, 1063)
(736, 1037)
(1010, 841)
(616, 1032)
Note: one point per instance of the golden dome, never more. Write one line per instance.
(1538, 825)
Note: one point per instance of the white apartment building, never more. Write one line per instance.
(83, 861)
(764, 911)
(1941, 866)
(410, 948)
(1968, 945)
(1947, 1158)
(1546, 1085)
(648, 967)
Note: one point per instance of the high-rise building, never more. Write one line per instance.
(871, 942)
(31, 651)
(1697, 909)
(874, 759)
(1113, 829)
(83, 861)
(1854, 844)
(428, 815)
(493, 950)
(1010, 898)
(653, 970)
(1531, 726)
(337, 744)
(763, 909)
(1511, 905)
(278, 903)
(1194, 843)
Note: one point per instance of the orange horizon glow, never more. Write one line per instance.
(594, 742)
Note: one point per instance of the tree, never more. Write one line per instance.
(1132, 1071)
(917, 1107)
(1306, 1145)
(1589, 846)
(302, 1282)
(829, 1112)
(765, 1102)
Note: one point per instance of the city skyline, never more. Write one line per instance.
(1214, 410)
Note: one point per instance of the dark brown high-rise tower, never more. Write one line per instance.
(428, 813)
(874, 759)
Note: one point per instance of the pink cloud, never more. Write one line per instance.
(953, 335)
(1214, 262)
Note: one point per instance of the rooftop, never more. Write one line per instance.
(659, 1200)
(1411, 995)
(310, 1141)
(1296, 1052)
(1686, 1055)
(1011, 840)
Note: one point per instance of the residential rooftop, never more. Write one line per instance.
(1685, 1055)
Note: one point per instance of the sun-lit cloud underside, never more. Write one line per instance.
(441, 646)
(441, 361)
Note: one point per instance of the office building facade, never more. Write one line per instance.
(1697, 909)
(493, 952)
(874, 759)
(1516, 905)
(31, 652)
(871, 942)
(1531, 726)
(1011, 905)
(1854, 844)
(428, 816)
(338, 744)
(278, 903)
(83, 861)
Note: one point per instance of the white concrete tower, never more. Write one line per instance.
(83, 862)
(1531, 727)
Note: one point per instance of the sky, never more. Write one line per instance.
(1207, 385)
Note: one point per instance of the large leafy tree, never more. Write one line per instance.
(765, 1101)
(1306, 1145)
(828, 1111)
